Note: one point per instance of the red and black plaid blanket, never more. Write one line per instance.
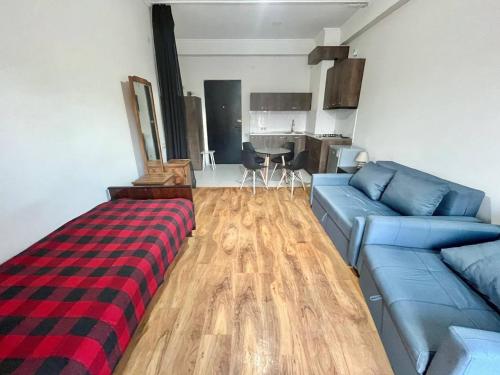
(70, 303)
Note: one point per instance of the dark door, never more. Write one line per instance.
(223, 110)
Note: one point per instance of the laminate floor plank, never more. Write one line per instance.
(258, 289)
(214, 354)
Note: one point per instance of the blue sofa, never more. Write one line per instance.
(430, 321)
(342, 209)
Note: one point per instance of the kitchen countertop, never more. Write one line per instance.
(278, 133)
(316, 136)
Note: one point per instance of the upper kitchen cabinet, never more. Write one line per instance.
(343, 84)
(322, 53)
(270, 101)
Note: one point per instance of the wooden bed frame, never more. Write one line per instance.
(152, 192)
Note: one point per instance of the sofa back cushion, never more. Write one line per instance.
(413, 196)
(460, 200)
(479, 265)
(372, 180)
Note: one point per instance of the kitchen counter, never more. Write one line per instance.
(317, 145)
(278, 133)
(284, 133)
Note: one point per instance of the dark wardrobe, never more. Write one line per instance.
(194, 130)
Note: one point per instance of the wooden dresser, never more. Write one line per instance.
(181, 170)
(174, 172)
(164, 179)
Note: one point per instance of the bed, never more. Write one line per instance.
(70, 303)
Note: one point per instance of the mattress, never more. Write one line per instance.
(70, 303)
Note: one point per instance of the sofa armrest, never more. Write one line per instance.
(426, 233)
(357, 231)
(329, 179)
(467, 351)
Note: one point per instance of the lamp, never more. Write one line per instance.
(362, 158)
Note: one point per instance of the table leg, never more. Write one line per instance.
(212, 160)
(284, 170)
(266, 164)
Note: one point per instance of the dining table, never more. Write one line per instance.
(268, 153)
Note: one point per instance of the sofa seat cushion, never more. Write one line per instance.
(424, 297)
(344, 203)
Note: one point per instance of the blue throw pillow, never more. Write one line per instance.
(372, 180)
(414, 196)
(479, 265)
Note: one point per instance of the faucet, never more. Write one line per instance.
(293, 127)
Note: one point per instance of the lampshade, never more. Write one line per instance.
(362, 157)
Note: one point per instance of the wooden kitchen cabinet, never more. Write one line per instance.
(275, 141)
(313, 145)
(300, 142)
(318, 152)
(317, 147)
(322, 53)
(256, 140)
(278, 140)
(295, 101)
(343, 84)
(262, 101)
(267, 140)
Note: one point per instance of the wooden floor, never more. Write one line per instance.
(258, 289)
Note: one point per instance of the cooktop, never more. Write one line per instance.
(331, 135)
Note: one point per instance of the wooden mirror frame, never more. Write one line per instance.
(151, 166)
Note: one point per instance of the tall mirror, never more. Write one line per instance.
(145, 116)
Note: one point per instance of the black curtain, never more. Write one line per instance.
(170, 82)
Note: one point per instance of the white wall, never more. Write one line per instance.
(256, 47)
(277, 121)
(287, 73)
(366, 17)
(431, 90)
(320, 121)
(64, 132)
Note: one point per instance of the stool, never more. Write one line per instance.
(208, 158)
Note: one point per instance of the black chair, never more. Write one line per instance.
(278, 160)
(248, 146)
(248, 158)
(293, 169)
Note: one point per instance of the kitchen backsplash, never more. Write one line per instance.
(271, 121)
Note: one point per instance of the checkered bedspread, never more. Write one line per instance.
(70, 303)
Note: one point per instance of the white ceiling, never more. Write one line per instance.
(272, 20)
